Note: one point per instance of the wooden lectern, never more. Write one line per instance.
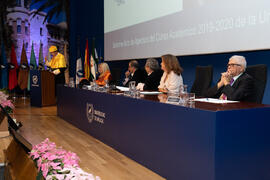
(42, 88)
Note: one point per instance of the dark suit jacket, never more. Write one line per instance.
(152, 81)
(243, 89)
(138, 76)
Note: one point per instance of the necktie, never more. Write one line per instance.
(223, 96)
(231, 82)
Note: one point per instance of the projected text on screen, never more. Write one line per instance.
(150, 28)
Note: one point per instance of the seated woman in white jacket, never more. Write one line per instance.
(171, 78)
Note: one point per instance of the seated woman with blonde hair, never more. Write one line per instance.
(171, 78)
(105, 74)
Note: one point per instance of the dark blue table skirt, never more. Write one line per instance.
(179, 143)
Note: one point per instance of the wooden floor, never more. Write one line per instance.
(96, 157)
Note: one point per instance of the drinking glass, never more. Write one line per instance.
(132, 85)
(126, 93)
(191, 97)
(173, 97)
(183, 98)
(71, 82)
(190, 102)
(137, 94)
(183, 88)
(106, 84)
(94, 86)
(132, 88)
(84, 87)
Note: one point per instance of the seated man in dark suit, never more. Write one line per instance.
(134, 73)
(154, 74)
(235, 84)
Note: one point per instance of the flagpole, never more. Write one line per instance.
(14, 94)
(100, 55)
(24, 94)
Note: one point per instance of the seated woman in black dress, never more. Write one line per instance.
(154, 74)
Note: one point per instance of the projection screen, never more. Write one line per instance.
(135, 29)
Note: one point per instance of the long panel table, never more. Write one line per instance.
(204, 142)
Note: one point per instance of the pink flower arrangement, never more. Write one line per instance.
(57, 163)
(5, 102)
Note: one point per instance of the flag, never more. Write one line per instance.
(33, 65)
(79, 70)
(33, 61)
(67, 64)
(40, 57)
(4, 70)
(94, 61)
(100, 58)
(93, 69)
(13, 66)
(48, 58)
(86, 62)
(23, 71)
(79, 67)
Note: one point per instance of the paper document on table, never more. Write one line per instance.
(150, 92)
(216, 101)
(121, 88)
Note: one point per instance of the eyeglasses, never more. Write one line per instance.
(228, 65)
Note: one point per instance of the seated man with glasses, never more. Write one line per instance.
(235, 83)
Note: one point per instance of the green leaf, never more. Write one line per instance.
(39, 175)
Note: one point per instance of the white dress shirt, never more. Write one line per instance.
(235, 78)
(127, 79)
(172, 82)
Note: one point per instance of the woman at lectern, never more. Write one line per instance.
(105, 74)
(171, 78)
(57, 65)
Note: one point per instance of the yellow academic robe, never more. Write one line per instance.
(57, 61)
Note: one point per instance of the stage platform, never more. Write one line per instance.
(95, 157)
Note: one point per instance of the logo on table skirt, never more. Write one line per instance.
(90, 112)
(35, 80)
(94, 115)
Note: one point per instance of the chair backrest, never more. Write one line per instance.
(116, 76)
(203, 80)
(259, 73)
